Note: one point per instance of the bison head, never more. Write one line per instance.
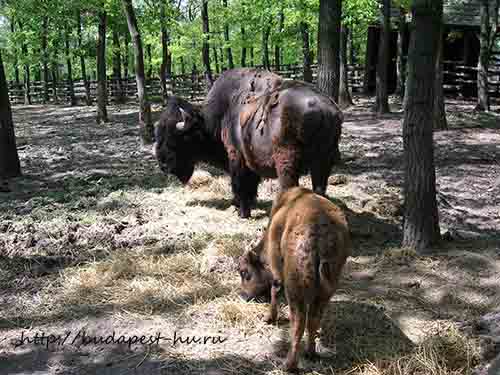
(176, 138)
(256, 279)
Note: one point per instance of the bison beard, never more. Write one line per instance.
(253, 125)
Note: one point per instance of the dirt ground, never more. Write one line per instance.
(95, 241)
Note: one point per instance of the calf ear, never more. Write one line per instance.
(253, 258)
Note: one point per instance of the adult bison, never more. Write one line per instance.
(252, 124)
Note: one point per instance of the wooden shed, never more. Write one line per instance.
(460, 49)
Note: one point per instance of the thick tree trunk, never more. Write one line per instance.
(45, 60)
(165, 71)
(439, 105)
(483, 97)
(421, 221)
(306, 52)
(69, 65)
(400, 60)
(265, 46)
(243, 48)
(117, 68)
(145, 121)
(86, 83)
(206, 46)
(330, 13)
(229, 52)
(277, 47)
(216, 60)
(345, 99)
(102, 94)
(9, 159)
(382, 100)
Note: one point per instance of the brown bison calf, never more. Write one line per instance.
(304, 247)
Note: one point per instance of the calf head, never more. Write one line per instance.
(177, 138)
(256, 279)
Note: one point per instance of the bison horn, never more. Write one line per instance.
(180, 125)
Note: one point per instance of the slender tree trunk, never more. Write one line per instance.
(27, 83)
(243, 48)
(102, 94)
(126, 57)
(149, 71)
(277, 47)
(165, 71)
(145, 122)
(400, 61)
(265, 46)
(86, 83)
(382, 103)
(206, 46)
(216, 60)
(330, 13)
(117, 68)
(71, 87)
(55, 76)
(9, 159)
(229, 52)
(45, 60)
(483, 97)
(222, 62)
(439, 105)
(183, 66)
(16, 67)
(306, 52)
(252, 61)
(345, 99)
(421, 221)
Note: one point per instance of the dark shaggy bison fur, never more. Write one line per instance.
(252, 124)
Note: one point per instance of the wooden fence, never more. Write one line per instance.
(188, 86)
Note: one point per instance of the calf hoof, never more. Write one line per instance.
(269, 318)
(291, 366)
(311, 355)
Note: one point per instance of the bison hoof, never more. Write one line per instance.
(244, 212)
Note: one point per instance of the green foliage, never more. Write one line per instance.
(183, 23)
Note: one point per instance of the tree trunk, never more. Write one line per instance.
(86, 83)
(149, 71)
(229, 52)
(71, 87)
(306, 52)
(483, 97)
(27, 83)
(421, 221)
(126, 57)
(222, 64)
(102, 94)
(277, 47)
(165, 72)
(55, 76)
(9, 159)
(45, 60)
(145, 123)
(382, 100)
(16, 67)
(117, 68)
(252, 62)
(206, 47)
(439, 105)
(400, 60)
(183, 67)
(265, 46)
(345, 99)
(216, 60)
(330, 13)
(243, 48)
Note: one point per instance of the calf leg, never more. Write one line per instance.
(313, 322)
(297, 321)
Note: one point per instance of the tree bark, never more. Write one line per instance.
(216, 60)
(16, 67)
(165, 72)
(9, 159)
(483, 97)
(330, 13)
(229, 52)
(400, 60)
(206, 46)
(102, 94)
(252, 61)
(27, 83)
(439, 105)
(306, 52)
(69, 65)
(86, 83)
(55, 76)
(345, 99)
(382, 100)
(421, 221)
(45, 60)
(183, 66)
(243, 48)
(266, 31)
(145, 123)
(117, 68)
(126, 57)
(277, 47)
(149, 71)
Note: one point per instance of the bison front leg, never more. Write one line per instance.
(244, 184)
